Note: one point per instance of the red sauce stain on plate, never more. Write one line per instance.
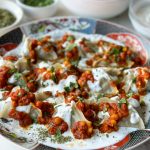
(7, 47)
(132, 41)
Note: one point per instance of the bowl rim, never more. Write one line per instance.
(101, 20)
(18, 17)
(19, 2)
(133, 15)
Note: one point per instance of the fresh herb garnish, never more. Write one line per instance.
(44, 84)
(52, 69)
(72, 112)
(70, 38)
(70, 47)
(97, 123)
(122, 101)
(67, 89)
(21, 82)
(130, 94)
(17, 76)
(11, 71)
(134, 80)
(59, 138)
(75, 63)
(42, 133)
(115, 51)
(54, 78)
(100, 96)
(81, 99)
(71, 86)
(107, 135)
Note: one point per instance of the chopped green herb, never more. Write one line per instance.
(54, 78)
(115, 51)
(74, 85)
(100, 96)
(134, 80)
(97, 123)
(70, 47)
(81, 99)
(107, 135)
(21, 82)
(42, 133)
(17, 76)
(70, 38)
(72, 112)
(59, 138)
(44, 84)
(122, 101)
(3, 90)
(130, 94)
(75, 63)
(52, 69)
(67, 89)
(11, 71)
(71, 86)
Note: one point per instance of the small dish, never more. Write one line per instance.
(39, 12)
(103, 9)
(15, 10)
(139, 14)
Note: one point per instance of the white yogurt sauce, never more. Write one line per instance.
(98, 75)
(5, 107)
(135, 103)
(64, 111)
(54, 88)
(147, 108)
(25, 109)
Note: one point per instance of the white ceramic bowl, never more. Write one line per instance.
(39, 12)
(103, 9)
(137, 21)
(15, 10)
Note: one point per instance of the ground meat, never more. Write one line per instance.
(89, 110)
(21, 97)
(4, 75)
(87, 75)
(82, 130)
(56, 124)
(24, 119)
(47, 111)
(116, 113)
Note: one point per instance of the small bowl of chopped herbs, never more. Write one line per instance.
(10, 16)
(38, 9)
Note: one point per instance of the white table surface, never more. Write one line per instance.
(123, 20)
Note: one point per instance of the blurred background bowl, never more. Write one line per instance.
(139, 14)
(39, 12)
(103, 9)
(15, 10)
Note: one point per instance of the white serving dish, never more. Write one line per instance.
(103, 9)
(39, 12)
(15, 10)
(137, 21)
